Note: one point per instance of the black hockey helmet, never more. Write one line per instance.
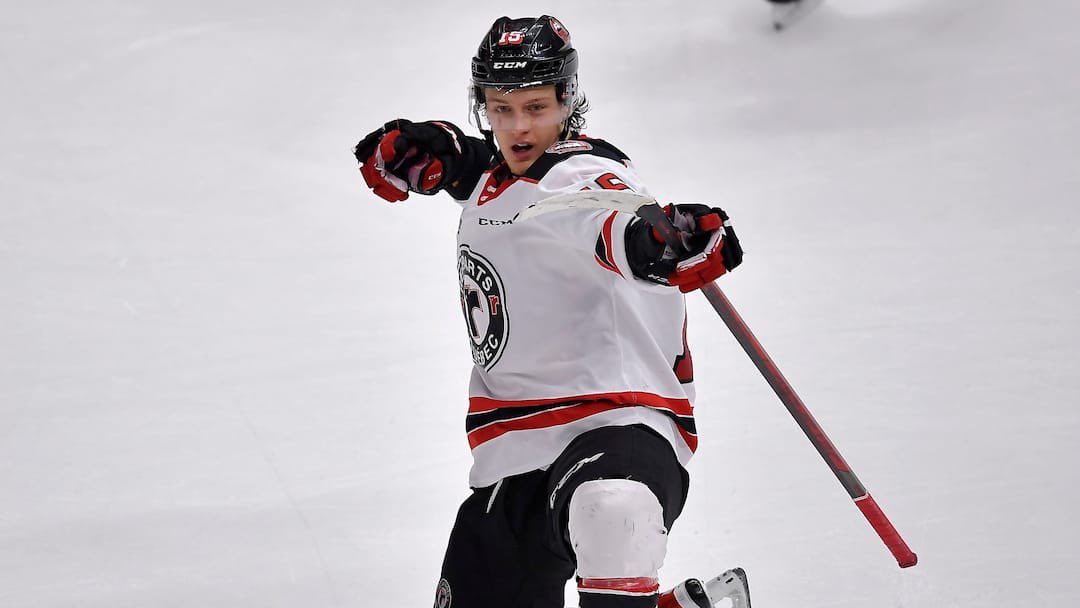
(527, 52)
(518, 53)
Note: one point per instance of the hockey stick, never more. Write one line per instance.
(648, 209)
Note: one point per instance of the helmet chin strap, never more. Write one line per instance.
(489, 138)
(489, 135)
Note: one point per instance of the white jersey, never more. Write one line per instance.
(564, 338)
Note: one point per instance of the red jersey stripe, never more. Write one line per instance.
(547, 418)
(680, 407)
(606, 266)
(634, 586)
(558, 416)
(608, 241)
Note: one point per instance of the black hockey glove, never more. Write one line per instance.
(423, 157)
(710, 248)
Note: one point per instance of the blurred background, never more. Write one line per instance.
(232, 376)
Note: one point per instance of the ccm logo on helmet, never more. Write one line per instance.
(509, 65)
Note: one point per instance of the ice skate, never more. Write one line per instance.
(692, 593)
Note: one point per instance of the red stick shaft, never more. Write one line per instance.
(870, 509)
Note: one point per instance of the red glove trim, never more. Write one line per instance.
(374, 169)
(695, 278)
(386, 147)
(711, 222)
(378, 183)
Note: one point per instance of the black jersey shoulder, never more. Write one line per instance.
(562, 150)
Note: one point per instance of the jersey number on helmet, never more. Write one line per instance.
(509, 38)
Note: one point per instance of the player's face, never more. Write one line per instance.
(525, 122)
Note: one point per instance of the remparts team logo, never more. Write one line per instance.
(559, 29)
(483, 302)
(442, 595)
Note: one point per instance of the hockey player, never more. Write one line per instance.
(580, 418)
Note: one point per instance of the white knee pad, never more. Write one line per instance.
(617, 529)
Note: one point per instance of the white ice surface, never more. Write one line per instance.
(230, 376)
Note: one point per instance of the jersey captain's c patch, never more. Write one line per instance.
(483, 301)
(610, 181)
